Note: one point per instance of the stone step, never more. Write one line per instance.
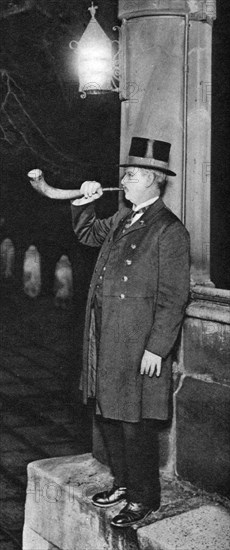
(205, 528)
(59, 514)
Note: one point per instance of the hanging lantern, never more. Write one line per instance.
(96, 65)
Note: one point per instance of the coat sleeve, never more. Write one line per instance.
(173, 289)
(89, 229)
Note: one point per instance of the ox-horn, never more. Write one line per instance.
(37, 181)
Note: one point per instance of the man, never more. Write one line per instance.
(136, 304)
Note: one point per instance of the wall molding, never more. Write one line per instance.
(209, 311)
(199, 10)
(210, 294)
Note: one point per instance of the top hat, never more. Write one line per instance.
(149, 153)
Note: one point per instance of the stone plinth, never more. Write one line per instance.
(59, 514)
(33, 541)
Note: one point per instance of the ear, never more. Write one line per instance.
(151, 176)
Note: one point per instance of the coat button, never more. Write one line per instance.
(104, 268)
(128, 262)
(125, 278)
(133, 246)
(122, 296)
(100, 277)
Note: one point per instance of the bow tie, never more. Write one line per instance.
(133, 214)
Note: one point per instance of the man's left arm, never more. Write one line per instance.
(172, 297)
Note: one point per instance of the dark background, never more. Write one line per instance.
(220, 168)
(45, 124)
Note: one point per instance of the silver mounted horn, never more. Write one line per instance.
(37, 181)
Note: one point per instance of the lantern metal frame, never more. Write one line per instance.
(93, 88)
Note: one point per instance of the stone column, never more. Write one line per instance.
(166, 89)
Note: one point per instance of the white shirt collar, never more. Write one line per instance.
(143, 204)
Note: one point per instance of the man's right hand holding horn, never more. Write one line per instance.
(91, 190)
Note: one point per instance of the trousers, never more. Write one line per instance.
(133, 453)
(132, 448)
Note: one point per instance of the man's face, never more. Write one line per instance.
(135, 183)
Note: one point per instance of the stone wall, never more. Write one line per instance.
(203, 399)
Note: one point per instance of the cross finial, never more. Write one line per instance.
(93, 10)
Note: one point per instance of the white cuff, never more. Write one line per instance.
(83, 200)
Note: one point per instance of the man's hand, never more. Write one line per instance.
(91, 190)
(151, 364)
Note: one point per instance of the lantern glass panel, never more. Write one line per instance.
(95, 66)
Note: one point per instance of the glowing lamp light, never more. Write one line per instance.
(95, 63)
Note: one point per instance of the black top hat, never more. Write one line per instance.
(149, 153)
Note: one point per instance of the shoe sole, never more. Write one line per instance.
(108, 505)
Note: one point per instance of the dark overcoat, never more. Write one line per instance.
(145, 288)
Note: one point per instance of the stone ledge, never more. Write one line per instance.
(59, 514)
(205, 528)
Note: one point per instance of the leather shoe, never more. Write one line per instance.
(109, 498)
(132, 514)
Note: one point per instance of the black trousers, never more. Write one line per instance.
(133, 452)
(132, 447)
